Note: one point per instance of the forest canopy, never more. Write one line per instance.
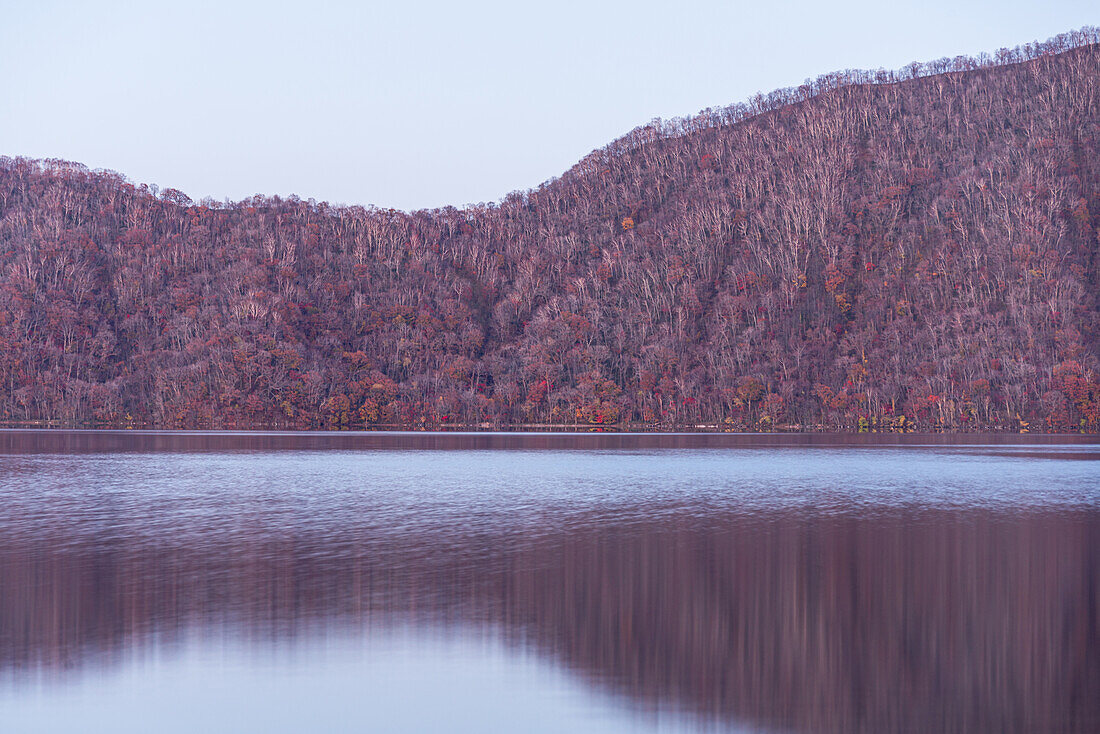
(869, 251)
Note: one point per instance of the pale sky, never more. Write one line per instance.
(418, 103)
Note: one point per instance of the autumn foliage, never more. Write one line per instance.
(870, 251)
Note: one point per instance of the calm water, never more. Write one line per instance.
(241, 582)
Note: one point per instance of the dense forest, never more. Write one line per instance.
(911, 250)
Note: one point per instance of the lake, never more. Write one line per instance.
(339, 582)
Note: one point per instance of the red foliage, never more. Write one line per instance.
(648, 284)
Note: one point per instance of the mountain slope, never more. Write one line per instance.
(871, 250)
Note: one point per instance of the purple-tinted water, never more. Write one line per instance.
(204, 582)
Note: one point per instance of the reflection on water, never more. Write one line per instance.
(585, 586)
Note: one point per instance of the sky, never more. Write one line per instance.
(417, 104)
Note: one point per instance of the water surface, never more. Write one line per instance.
(502, 582)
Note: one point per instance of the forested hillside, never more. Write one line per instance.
(873, 250)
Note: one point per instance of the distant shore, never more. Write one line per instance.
(633, 428)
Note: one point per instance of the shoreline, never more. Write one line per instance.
(489, 428)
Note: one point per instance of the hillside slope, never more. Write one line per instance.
(873, 250)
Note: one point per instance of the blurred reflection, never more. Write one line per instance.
(907, 618)
(942, 622)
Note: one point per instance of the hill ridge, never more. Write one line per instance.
(888, 256)
(731, 114)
